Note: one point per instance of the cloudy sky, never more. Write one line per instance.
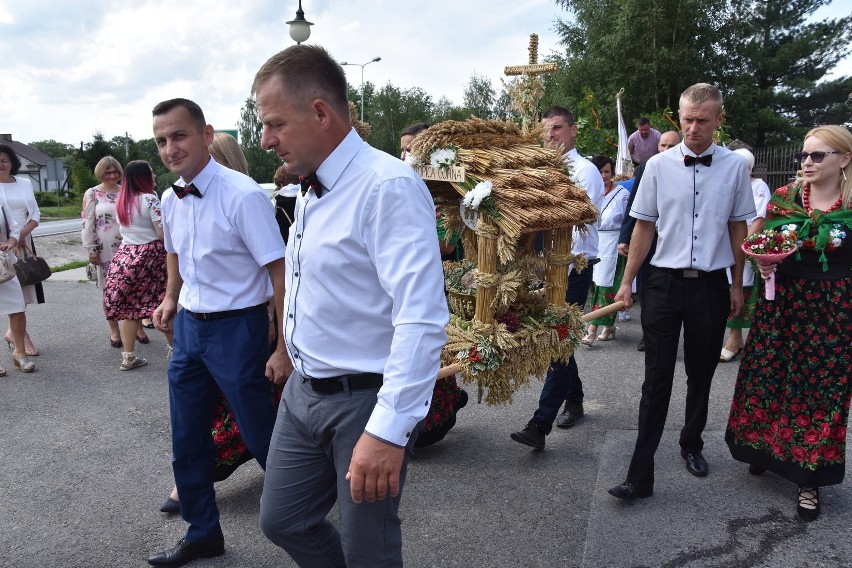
(74, 67)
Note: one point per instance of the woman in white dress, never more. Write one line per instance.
(11, 295)
(17, 194)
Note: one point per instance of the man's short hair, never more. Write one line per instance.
(700, 93)
(561, 112)
(307, 72)
(195, 112)
(643, 120)
(414, 129)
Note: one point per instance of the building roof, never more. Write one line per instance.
(29, 153)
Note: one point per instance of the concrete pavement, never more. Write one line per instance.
(86, 465)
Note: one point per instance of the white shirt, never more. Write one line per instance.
(584, 174)
(692, 206)
(141, 231)
(223, 241)
(761, 194)
(365, 288)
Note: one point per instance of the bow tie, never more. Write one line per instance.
(692, 160)
(183, 191)
(311, 182)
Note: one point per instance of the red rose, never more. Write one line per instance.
(760, 415)
(751, 436)
(774, 406)
(825, 431)
(753, 400)
(838, 433)
(236, 429)
(778, 449)
(241, 447)
(799, 453)
(785, 434)
(221, 437)
(831, 453)
(814, 456)
(775, 426)
(768, 436)
(226, 454)
(744, 420)
(803, 421)
(811, 437)
(218, 423)
(819, 415)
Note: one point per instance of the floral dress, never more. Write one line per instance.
(790, 408)
(101, 231)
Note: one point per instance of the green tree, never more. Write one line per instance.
(479, 96)
(55, 149)
(773, 67)
(445, 110)
(393, 109)
(261, 163)
(97, 149)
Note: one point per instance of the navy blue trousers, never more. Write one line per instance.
(230, 355)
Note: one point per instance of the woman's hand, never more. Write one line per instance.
(766, 268)
(9, 244)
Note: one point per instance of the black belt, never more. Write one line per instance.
(690, 272)
(226, 313)
(353, 382)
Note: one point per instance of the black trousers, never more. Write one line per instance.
(700, 306)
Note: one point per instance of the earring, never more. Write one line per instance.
(843, 173)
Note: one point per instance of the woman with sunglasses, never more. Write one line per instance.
(791, 402)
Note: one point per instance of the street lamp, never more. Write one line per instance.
(300, 28)
(362, 65)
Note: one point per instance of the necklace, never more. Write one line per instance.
(806, 201)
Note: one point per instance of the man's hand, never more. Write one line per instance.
(736, 300)
(626, 294)
(623, 249)
(279, 366)
(164, 315)
(374, 469)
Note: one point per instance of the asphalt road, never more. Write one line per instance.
(87, 462)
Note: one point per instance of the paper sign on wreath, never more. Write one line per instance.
(454, 174)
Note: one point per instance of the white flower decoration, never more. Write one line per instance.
(474, 197)
(412, 160)
(443, 158)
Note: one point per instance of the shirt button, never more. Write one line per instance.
(694, 260)
(296, 274)
(295, 356)
(408, 434)
(695, 237)
(298, 235)
(696, 215)
(290, 316)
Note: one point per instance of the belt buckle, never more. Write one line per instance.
(690, 273)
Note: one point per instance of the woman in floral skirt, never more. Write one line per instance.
(791, 403)
(136, 281)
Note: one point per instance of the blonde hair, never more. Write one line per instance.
(104, 164)
(839, 138)
(700, 93)
(227, 152)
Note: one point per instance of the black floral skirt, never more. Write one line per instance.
(136, 281)
(791, 402)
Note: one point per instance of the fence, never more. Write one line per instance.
(776, 165)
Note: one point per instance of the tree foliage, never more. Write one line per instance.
(479, 96)
(55, 149)
(261, 163)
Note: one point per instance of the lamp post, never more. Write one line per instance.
(362, 65)
(300, 28)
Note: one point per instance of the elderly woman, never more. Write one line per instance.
(791, 401)
(17, 194)
(11, 295)
(101, 233)
(136, 281)
(608, 272)
(751, 287)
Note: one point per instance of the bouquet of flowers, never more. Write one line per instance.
(771, 247)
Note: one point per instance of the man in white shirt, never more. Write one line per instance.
(364, 321)
(563, 381)
(698, 196)
(225, 261)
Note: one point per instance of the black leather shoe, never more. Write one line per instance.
(630, 491)
(170, 506)
(569, 417)
(641, 345)
(755, 469)
(186, 551)
(695, 463)
(531, 436)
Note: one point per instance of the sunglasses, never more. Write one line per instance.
(816, 157)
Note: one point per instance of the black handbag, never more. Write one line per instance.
(31, 269)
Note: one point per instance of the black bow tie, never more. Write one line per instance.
(183, 191)
(311, 182)
(692, 160)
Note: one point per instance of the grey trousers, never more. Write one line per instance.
(306, 473)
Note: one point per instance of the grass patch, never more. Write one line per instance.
(69, 265)
(53, 213)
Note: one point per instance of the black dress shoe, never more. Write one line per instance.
(641, 345)
(755, 469)
(630, 491)
(569, 417)
(170, 506)
(695, 463)
(186, 551)
(532, 436)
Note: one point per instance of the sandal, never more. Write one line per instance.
(149, 325)
(116, 342)
(23, 363)
(32, 351)
(2, 372)
(808, 507)
(130, 361)
(143, 339)
(589, 339)
(727, 355)
(607, 334)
